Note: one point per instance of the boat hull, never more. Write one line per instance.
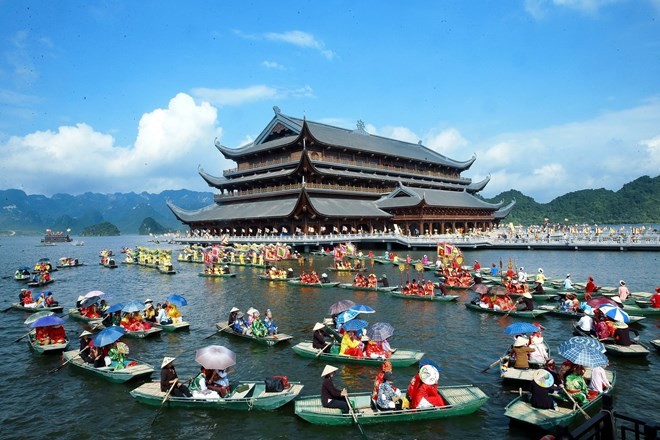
(520, 314)
(316, 285)
(254, 397)
(108, 373)
(461, 400)
(17, 306)
(401, 358)
(436, 298)
(266, 340)
(173, 327)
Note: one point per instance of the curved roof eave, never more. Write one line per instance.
(503, 212)
(478, 186)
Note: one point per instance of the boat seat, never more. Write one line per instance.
(259, 389)
(243, 394)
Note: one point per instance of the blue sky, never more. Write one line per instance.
(552, 96)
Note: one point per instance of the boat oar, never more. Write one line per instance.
(164, 400)
(216, 332)
(58, 368)
(7, 309)
(584, 413)
(493, 364)
(23, 336)
(355, 419)
(321, 350)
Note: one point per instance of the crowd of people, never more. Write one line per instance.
(44, 300)
(252, 324)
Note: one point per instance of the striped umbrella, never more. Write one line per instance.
(615, 313)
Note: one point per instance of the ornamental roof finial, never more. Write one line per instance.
(277, 110)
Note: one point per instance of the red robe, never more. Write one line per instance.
(430, 393)
(57, 334)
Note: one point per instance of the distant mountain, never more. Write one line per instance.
(33, 214)
(637, 202)
(103, 229)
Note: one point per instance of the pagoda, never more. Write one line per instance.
(304, 177)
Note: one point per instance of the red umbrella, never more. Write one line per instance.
(597, 302)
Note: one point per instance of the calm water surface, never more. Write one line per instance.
(67, 403)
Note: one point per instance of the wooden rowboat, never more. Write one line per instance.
(350, 286)
(518, 313)
(335, 269)
(635, 310)
(40, 283)
(635, 349)
(461, 400)
(141, 369)
(18, 306)
(556, 311)
(439, 298)
(400, 358)
(173, 327)
(317, 285)
(266, 340)
(75, 314)
(521, 410)
(252, 396)
(141, 334)
(216, 275)
(655, 343)
(45, 349)
(267, 278)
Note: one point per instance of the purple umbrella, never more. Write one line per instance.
(47, 321)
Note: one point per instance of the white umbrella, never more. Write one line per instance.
(215, 357)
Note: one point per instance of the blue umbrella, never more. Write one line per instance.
(108, 335)
(113, 308)
(346, 316)
(33, 317)
(584, 355)
(177, 300)
(380, 331)
(589, 342)
(89, 301)
(46, 321)
(133, 306)
(361, 308)
(615, 313)
(355, 324)
(429, 362)
(520, 328)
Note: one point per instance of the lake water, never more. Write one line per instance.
(68, 404)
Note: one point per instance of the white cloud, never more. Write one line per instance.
(297, 38)
(447, 142)
(234, 97)
(170, 143)
(273, 65)
(606, 151)
(400, 133)
(539, 8)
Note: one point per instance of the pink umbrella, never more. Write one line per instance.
(597, 302)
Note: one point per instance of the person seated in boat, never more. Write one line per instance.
(540, 354)
(428, 288)
(591, 287)
(21, 296)
(56, 334)
(96, 355)
(232, 316)
(389, 397)
(522, 276)
(528, 302)
(240, 326)
(218, 381)
(586, 322)
(93, 311)
(476, 266)
(318, 339)
(42, 335)
(541, 387)
(372, 281)
(358, 280)
(521, 352)
(161, 316)
(567, 305)
(494, 271)
(50, 300)
(170, 381)
(199, 389)
(623, 291)
(250, 316)
(103, 306)
(46, 276)
(414, 287)
(576, 385)
(375, 350)
(174, 313)
(271, 327)
(289, 273)
(568, 284)
(386, 367)
(85, 347)
(384, 281)
(413, 386)
(604, 329)
(655, 299)
(149, 312)
(41, 300)
(485, 302)
(441, 287)
(331, 397)
(225, 269)
(324, 278)
(550, 367)
(599, 383)
(427, 395)
(259, 330)
(538, 289)
(351, 345)
(622, 334)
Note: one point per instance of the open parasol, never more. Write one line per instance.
(341, 306)
(380, 331)
(215, 357)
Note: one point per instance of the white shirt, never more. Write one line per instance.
(162, 316)
(599, 379)
(568, 284)
(586, 323)
(522, 277)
